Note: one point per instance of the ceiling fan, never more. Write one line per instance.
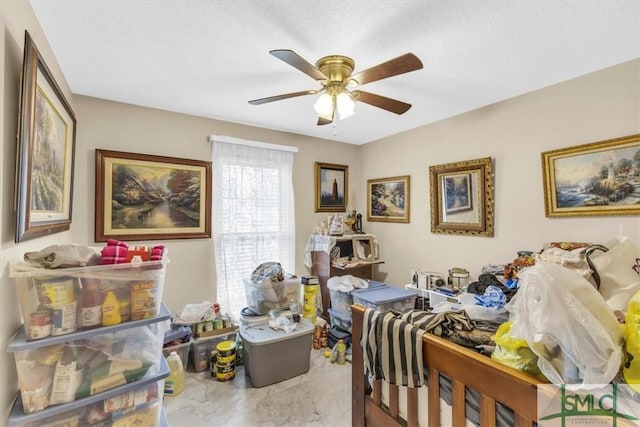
(339, 88)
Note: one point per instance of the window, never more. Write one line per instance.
(253, 216)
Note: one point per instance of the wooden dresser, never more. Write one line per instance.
(321, 266)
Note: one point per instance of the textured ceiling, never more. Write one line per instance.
(208, 58)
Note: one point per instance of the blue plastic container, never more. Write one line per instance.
(385, 298)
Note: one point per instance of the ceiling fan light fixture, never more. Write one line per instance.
(324, 105)
(345, 104)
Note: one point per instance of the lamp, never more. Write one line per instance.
(324, 106)
(335, 98)
(345, 104)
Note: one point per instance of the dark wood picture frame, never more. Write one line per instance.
(462, 197)
(46, 151)
(332, 187)
(148, 197)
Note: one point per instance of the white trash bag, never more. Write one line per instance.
(567, 324)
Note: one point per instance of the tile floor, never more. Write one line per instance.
(319, 398)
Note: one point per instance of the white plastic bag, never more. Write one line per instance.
(346, 283)
(567, 324)
(619, 271)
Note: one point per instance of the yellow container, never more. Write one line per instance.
(111, 310)
(310, 296)
(226, 348)
(174, 384)
(225, 360)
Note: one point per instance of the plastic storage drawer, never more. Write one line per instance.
(385, 298)
(131, 405)
(72, 368)
(50, 299)
(272, 356)
(340, 320)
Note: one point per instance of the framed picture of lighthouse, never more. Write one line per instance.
(595, 179)
(332, 187)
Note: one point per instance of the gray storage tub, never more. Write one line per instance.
(272, 356)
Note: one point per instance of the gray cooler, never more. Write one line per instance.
(272, 356)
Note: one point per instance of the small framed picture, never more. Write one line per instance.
(388, 199)
(332, 186)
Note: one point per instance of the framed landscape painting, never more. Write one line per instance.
(147, 197)
(332, 186)
(388, 199)
(46, 149)
(600, 178)
(462, 197)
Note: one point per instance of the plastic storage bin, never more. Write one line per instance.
(339, 319)
(69, 369)
(384, 298)
(272, 356)
(268, 295)
(201, 351)
(183, 350)
(177, 332)
(130, 406)
(340, 301)
(51, 300)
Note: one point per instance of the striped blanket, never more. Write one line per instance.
(392, 342)
(392, 348)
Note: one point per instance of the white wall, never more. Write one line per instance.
(114, 126)
(599, 106)
(15, 17)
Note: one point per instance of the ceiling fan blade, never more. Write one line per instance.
(283, 96)
(296, 61)
(400, 65)
(383, 102)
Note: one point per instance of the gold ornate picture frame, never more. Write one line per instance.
(462, 197)
(595, 179)
(388, 199)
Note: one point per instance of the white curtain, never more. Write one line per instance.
(253, 216)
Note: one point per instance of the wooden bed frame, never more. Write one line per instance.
(466, 368)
